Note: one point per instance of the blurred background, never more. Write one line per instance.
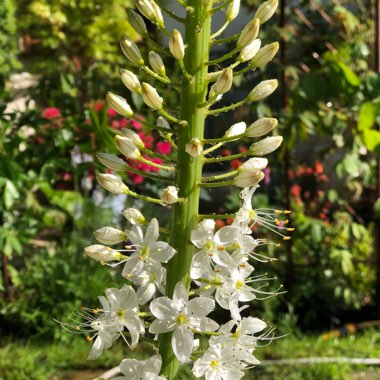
(59, 57)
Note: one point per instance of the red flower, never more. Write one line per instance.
(135, 123)
(163, 147)
(309, 170)
(99, 105)
(225, 153)
(51, 113)
(111, 112)
(148, 140)
(219, 223)
(235, 163)
(296, 190)
(123, 123)
(243, 149)
(138, 179)
(318, 167)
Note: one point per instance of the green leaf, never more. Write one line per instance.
(376, 208)
(10, 194)
(349, 75)
(367, 115)
(371, 140)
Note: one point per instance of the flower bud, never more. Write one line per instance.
(162, 122)
(127, 147)
(150, 96)
(194, 147)
(254, 163)
(101, 253)
(236, 129)
(109, 235)
(133, 216)
(119, 104)
(266, 146)
(130, 80)
(137, 22)
(170, 195)
(248, 178)
(112, 162)
(150, 10)
(223, 84)
(132, 135)
(131, 51)
(262, 90)
(249, 33)
(266, 10)
(156, 62)
(250, 51)
(176, 45)
(265, 55)
(112, 183)
(233, 10)
(261, 127)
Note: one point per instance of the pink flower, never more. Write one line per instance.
(99, 105)
(116, 124)
(267, 175)
(111, 112)
(138, 179)
(147, 140)
(123, 123)
(135, 124)
(51, 113)
(163, 147)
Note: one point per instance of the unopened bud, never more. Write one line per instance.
(131, 51)
(254, 163)
(101, 253)
(176, 45)
(194, 147)
(261, 127)
(133, 216)
(119, 104)
(250, 51)
(150, 96)
(248, 178)
(132, 135)
(162, 122)
(137, 22)
(109, 235)
(130, 80)
(150, 10)
(266, 10)
(262, 90)
(157, 63)
(266, 146)
(249, 33)
(112, 162)
(112, 183)
(170, 195)
(233, 10)
(127, 147)
(264, 55)
(236, 129)
(223, 84)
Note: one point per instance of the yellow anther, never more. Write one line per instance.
(77, 328)
(285, 222)
(290, 229)
(278, 244)
(286, 238)
(242, 265)
(217, 270)
(287, 212)
(96, 311)
(278, 211)
(221, 248)
(108, 248)
(128, 247)
(89, 339)
(210, 255)
(277, 221)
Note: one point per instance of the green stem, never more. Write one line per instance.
(155, 75)
(231, 107)
(145, 198)
(216, 184)
(216, 216)
(227, 158)
(221, 41)
(189, 170)
(219, 176)
(224, 139)
(223, 58)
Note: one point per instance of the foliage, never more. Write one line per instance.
(74, 45)
(8, 57)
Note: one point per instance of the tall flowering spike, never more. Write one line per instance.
(181, 280)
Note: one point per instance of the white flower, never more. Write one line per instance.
(213, 247)
(104, 336)
(217, 364)
(236, 129)
(150, 96)
(149, 251)
(141, 370)
(182, 316)
(250, 50)
(169, 195)
(112, 183)
(194, 147)
(120, 310)
(127, 147)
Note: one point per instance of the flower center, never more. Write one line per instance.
(214, 363)
(120, 313)
(182, 319)
(239, 284)
(145, 252)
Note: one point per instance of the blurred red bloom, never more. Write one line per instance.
(225, 153)
(148, 140)
(99, 105)
(138, 179)
(318, 167)
(296, 190)
(235, 163)
(111, 112)
(163, 147)
(51, 113)
(219, 223)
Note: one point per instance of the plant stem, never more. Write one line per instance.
(189, 170)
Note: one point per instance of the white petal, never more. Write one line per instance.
(152, 232)
(182, 343)
(252, 325)
(162, 308)
(159, 326)
(200, 306)
(145, 293)
(180, 296)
